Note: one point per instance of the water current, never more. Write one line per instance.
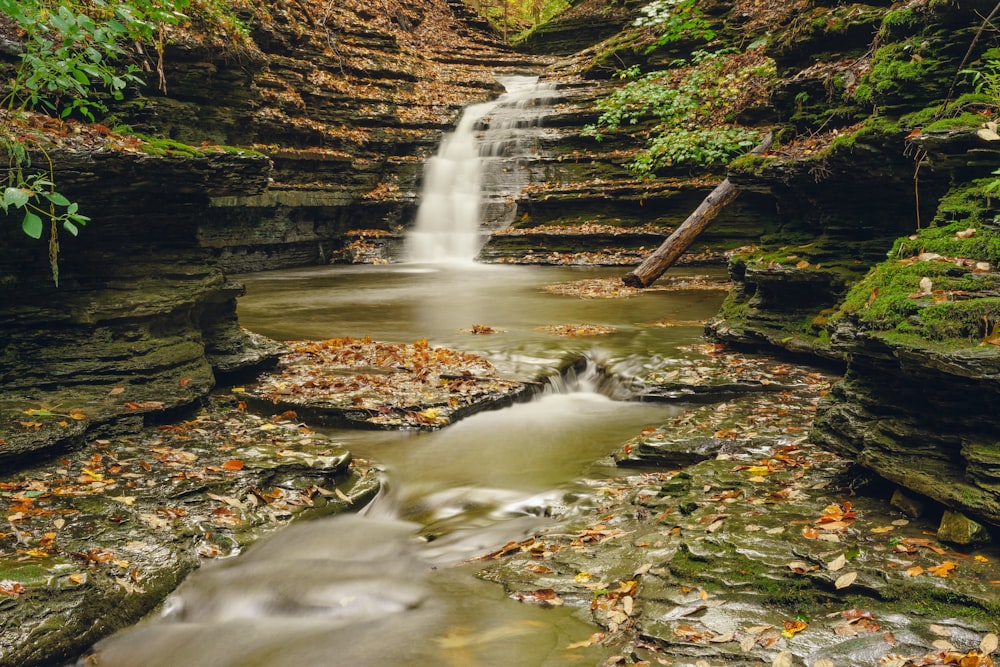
(393, 585)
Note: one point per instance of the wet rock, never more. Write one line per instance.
(681, 452)
(755, 556)
(141, 312)
(957, 528)
(99, 538)
(378, 385)
(907, 503)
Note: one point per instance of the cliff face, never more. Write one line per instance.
(142, 320)
(345, 100)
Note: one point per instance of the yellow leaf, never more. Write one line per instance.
(582, 577)
(980, 559)
(793, 627)
(883, 529)
(125, 500)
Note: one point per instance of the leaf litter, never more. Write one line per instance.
(383, 385)
(743, 555)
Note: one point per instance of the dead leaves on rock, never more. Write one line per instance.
(578, 330)
(414, 385)
(614, 288)
(946, 653)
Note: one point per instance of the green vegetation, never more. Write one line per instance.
(937, 284)
(896, 68)
(77, 57)
(686, 110)
(515, 19)
(674, 20)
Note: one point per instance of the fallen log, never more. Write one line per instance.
(682, 238)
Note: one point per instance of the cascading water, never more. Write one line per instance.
(470, 184)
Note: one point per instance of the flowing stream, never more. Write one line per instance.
(393, 586)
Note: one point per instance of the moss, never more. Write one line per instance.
(941, 603)
(966, 204)
(960, 122)
(898, 20)
(896, 68)
(161, 146)
(961, 307)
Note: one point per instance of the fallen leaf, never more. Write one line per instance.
(783, 659)
(546, 597)
(837, 563)
(989, 644)
(793, 627)
(965, 233)
(845, 580)
(939, 630)
(8, 587)
(883, 529)
(943, 569)
(233, 464)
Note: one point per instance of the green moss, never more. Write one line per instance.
(966, 204)
(896, 68)
(959, 122)
(161, 146)
(960, 306)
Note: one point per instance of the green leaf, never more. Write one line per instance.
(15, 197)
(70, 227)
(32, 225)
(56, 198)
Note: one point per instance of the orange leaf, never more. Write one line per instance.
(793, 627)
(233, 464)
(943, 569)
(184, 381)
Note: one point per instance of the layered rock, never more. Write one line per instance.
(346, 100)
(142, 319)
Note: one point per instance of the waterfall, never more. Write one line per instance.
(471, 184)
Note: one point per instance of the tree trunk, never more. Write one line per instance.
(682, 238)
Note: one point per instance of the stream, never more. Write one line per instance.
(390, 587)
(395, 585)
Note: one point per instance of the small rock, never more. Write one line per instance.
(957, 528)
(908, 505)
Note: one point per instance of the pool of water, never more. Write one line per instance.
(394, 586)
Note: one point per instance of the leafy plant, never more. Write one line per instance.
(72, 53)
(675, 20)
(685, 110)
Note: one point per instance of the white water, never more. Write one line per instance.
(476, 166)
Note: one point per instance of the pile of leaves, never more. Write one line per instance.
(383, 385)
(574, 330)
